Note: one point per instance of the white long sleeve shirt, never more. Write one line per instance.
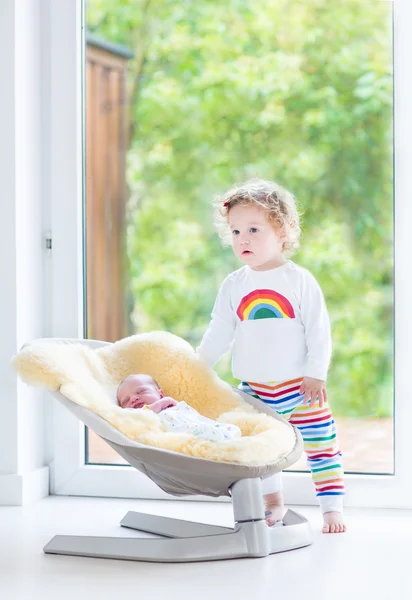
(276, 322)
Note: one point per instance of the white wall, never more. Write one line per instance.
(23, 299)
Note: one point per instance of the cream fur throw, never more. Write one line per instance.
(90, 378)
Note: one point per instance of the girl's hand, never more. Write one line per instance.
(313, 388)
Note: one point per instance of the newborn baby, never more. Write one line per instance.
(142, 391)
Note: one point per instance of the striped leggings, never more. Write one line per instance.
(318, 430)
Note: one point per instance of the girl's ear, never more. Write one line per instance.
(281, 231)
(161, 393)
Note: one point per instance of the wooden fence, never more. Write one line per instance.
(106, 145)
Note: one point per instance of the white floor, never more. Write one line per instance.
(371, 561)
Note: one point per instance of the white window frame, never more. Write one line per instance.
(70, 475)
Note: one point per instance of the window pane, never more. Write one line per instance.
(185, 99)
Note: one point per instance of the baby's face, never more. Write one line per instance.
(137, 391)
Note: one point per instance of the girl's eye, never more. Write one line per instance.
(235, 232)
(253, 230)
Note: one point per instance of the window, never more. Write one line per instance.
(182, 105)
(319, 113)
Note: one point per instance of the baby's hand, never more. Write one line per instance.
(169, 401)
(313, 388)
(162, 403)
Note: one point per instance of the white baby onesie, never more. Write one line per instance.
(182, 418)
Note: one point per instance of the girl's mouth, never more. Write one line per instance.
(246, 252)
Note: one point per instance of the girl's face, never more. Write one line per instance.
(255, 241)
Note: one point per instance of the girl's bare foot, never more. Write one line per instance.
(333, 523)
(274, 508)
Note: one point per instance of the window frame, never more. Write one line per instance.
(70, 474)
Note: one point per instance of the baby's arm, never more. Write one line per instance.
(219, 334)
(162, 403)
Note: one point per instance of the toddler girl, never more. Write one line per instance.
(273, 314)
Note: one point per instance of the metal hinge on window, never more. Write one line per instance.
(48, 240)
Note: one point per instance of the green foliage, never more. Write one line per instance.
(297, 92)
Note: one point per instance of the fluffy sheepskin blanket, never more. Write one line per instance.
(90, 378)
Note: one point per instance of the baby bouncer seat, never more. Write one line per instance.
(83, 376)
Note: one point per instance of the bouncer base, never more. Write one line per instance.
(187, 541)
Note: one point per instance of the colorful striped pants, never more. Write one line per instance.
(318, 430)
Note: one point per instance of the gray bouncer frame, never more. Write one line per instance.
(188, 541)
(181, 475)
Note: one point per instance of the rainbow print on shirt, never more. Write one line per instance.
(264, 304)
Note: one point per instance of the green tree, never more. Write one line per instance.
(297, 92)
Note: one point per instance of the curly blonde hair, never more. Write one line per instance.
(277, 201)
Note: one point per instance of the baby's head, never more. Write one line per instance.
(269, 200)
(136, 391)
